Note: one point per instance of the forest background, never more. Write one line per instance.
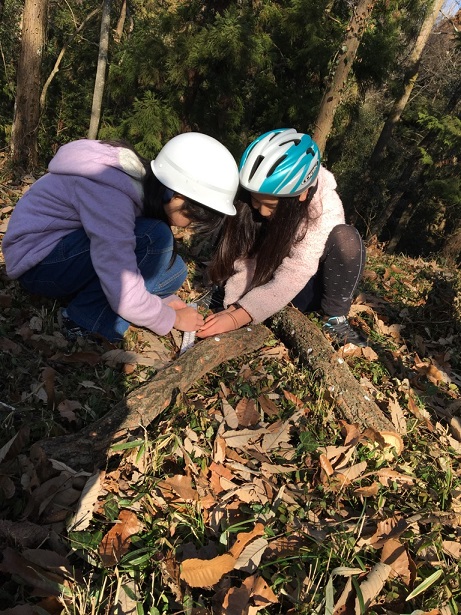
(326, 516)
(377, 83)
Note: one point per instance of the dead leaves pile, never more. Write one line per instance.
(250, 461)
(259, 501)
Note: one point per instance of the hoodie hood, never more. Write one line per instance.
(90, 158)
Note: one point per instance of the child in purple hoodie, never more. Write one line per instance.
(96, 228)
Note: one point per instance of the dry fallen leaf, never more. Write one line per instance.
(206, 573)
(452, 548)
(117, 540)
(15, 445)
(181, 485)
(250, 558)
(244, 538)
(246, 412)
(367, 492)
(230, 415)
(372, 586)
(88, 500)
(395, 554)
(67, 409)
(268, 406)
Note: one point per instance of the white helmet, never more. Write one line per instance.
(201, 168)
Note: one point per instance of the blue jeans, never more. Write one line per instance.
(68, 271)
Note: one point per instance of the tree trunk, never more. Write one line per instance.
(27, 108)
(452, 247)
(309, 343)
(405, 180)
(121, 23)
(408, 83)
(100, 71)
(60, 56)
(91, 447)
(405, 218)
(333, 93)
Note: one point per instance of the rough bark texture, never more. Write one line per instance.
(100, 71)
(309, 343)
(346, 55)
(408, 84)
(27, 108)
(90, 447)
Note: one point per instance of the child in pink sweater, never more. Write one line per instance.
(288, 242)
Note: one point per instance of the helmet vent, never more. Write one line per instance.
(258, 161)
(275, 165)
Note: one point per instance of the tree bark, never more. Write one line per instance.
(309, 343)
(27, 108)
(402, 225)
(90, 447)
(408, 84)
(100, 71)
(121, 22)
(333, 93)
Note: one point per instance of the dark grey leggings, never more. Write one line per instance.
(332, 288)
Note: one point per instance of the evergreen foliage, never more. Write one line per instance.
(236, 69)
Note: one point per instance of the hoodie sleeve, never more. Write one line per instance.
(298, 267)
(110, 224)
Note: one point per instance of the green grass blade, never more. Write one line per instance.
(425, 584)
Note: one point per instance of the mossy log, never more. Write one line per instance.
(90, 447)
(308, 342)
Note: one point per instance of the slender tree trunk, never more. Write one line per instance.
(61, 55)
(408, 83)
(121, 22)
(100, 71)
(452, 247)
(333, 93)
(27, 108)
(405, 180)
(405, 218)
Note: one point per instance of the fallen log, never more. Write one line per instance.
(90, 447)
(300, 334)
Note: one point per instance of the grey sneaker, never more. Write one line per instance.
(340, 332)
(71, 329)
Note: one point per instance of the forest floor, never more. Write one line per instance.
(249, 493)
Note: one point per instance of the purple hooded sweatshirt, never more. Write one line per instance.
(98, 187)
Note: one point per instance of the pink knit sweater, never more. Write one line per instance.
(298, 267)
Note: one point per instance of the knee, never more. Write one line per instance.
(346, 234)
(347, 240)
(154, 232)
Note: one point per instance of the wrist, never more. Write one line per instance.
(241, 316)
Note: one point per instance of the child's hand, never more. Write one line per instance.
(174, 302)
(218, 323)
(187, 318)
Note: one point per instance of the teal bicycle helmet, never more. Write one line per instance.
(281, 162)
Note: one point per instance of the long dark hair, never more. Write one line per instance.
(267, 240)
(203, 219)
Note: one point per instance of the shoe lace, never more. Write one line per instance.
(340, 328)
